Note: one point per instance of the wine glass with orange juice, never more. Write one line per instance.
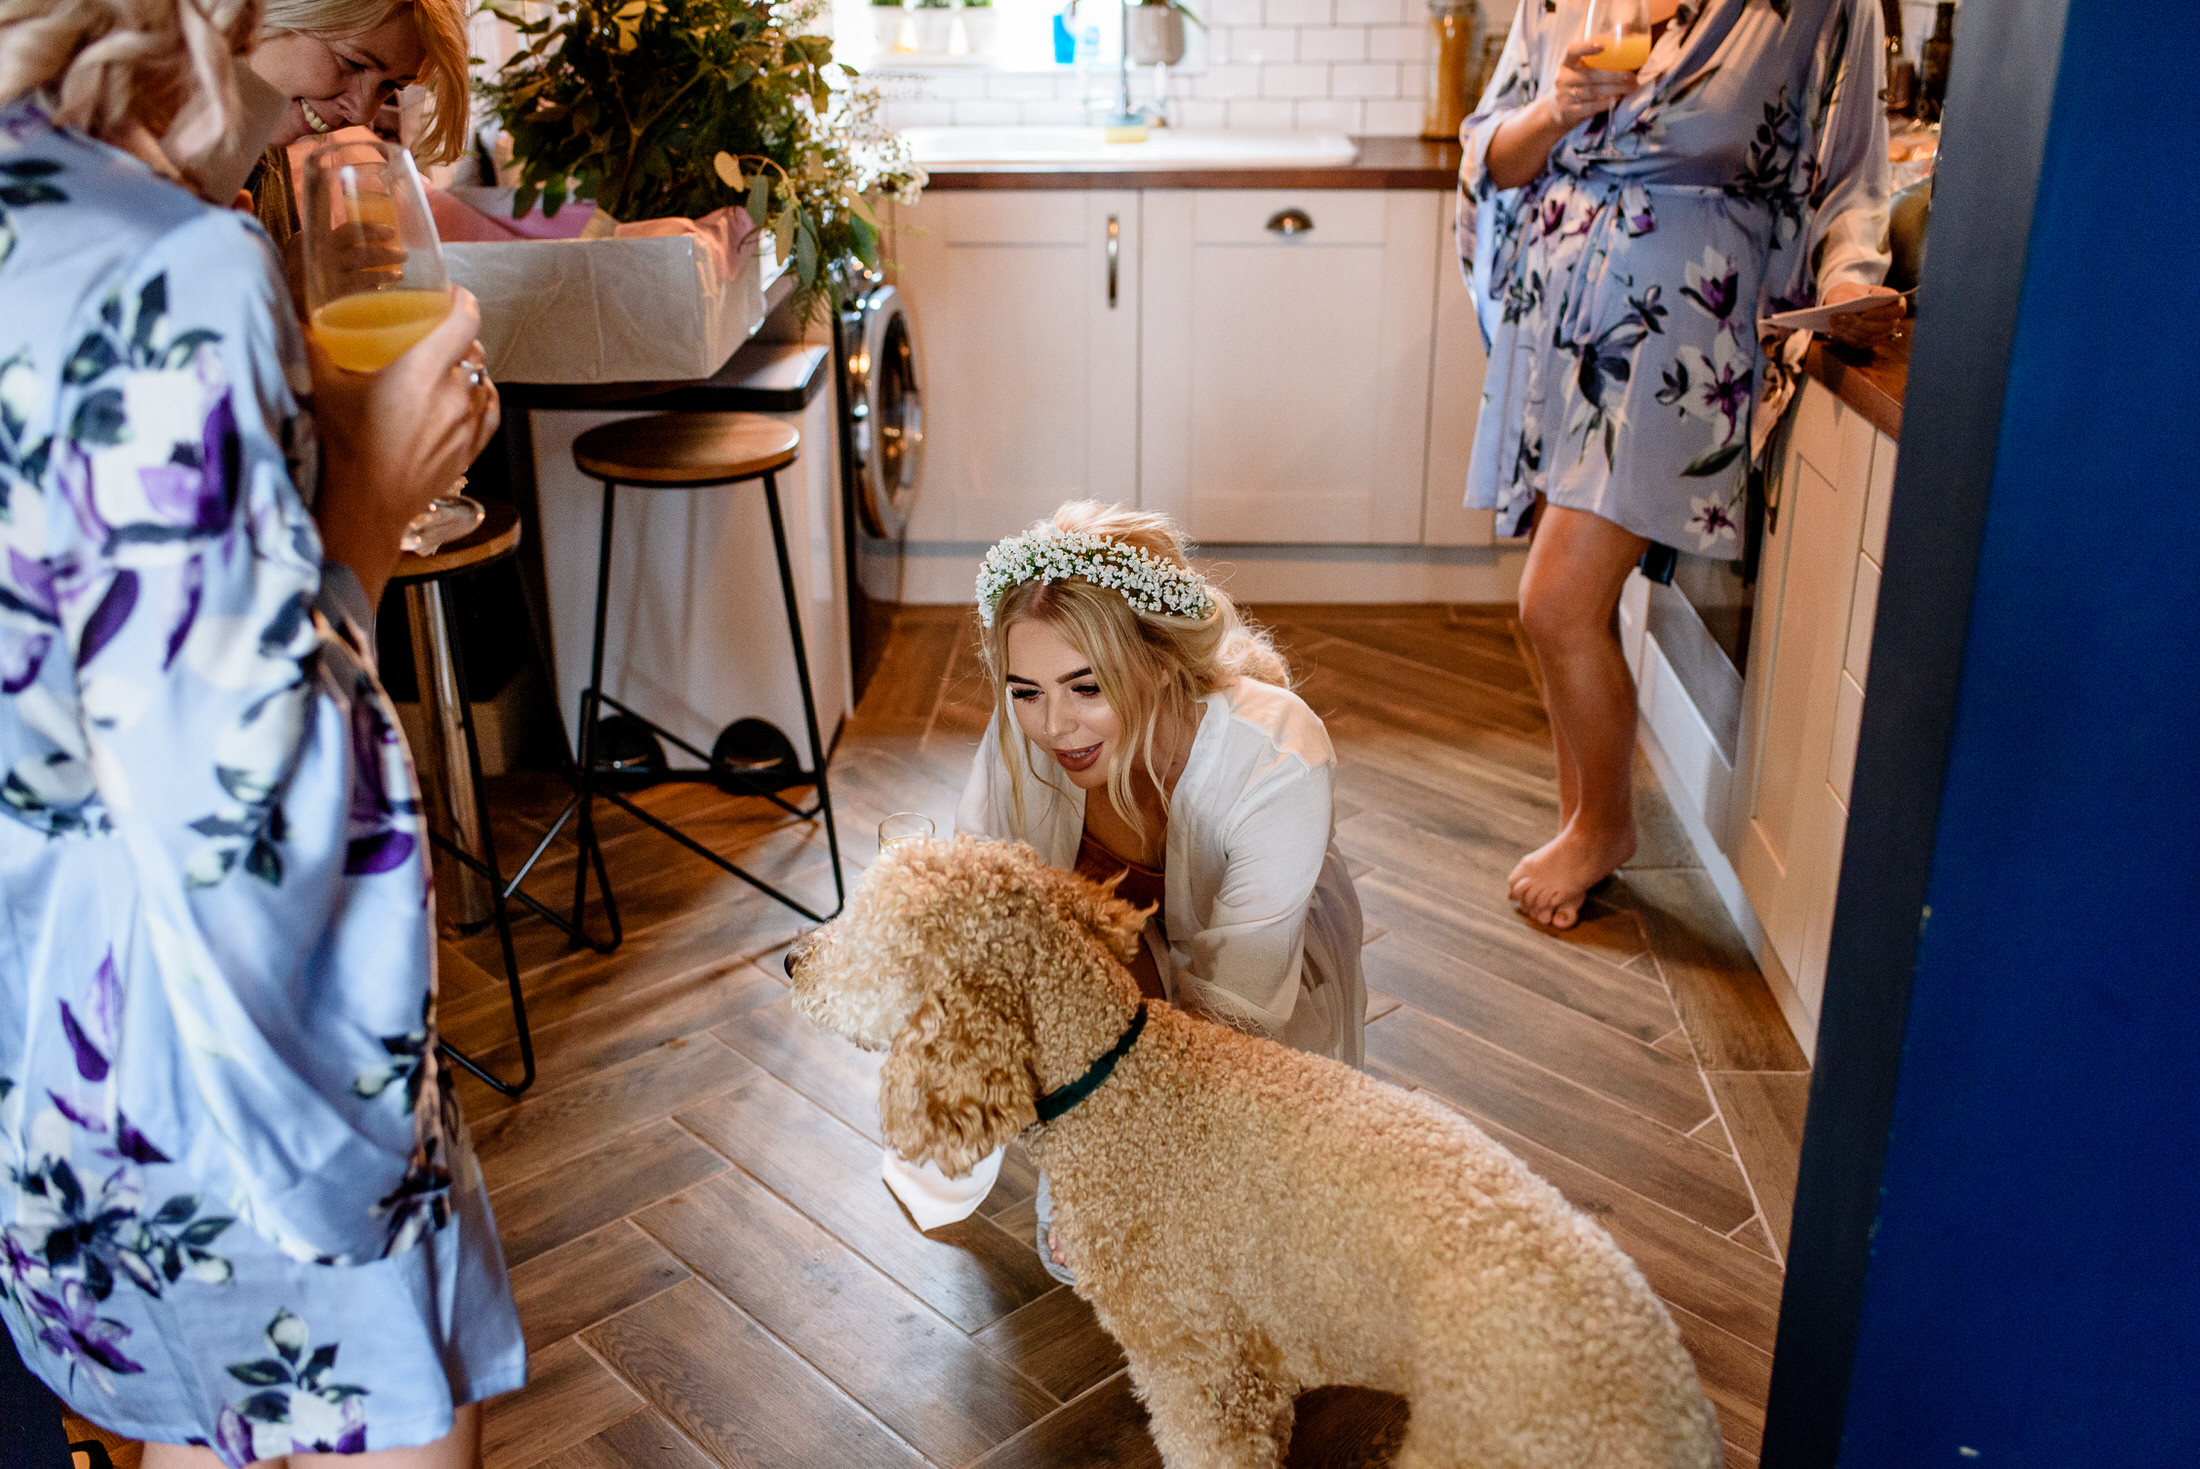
(1623, 28)
(375, 283)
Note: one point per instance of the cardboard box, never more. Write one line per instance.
(610, 311)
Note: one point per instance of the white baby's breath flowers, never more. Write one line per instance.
(1150, 584)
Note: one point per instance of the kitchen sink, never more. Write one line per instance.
(1087, 147)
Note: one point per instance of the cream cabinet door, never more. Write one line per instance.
(1026, 305)
(1804, 691)
(1287, 361)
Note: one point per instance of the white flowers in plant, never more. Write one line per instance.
(1152, 585)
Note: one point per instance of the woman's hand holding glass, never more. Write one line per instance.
(375, 286)
(1580, 91)
(394, 440)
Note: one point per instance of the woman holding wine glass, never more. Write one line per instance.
(242, 1219)
(1644, 180)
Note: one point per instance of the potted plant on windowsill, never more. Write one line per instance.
(935, 20)
(1155, 31)
(980, 25)
(679, 108)
(889, 18)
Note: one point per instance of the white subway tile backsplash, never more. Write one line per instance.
(1223, 82)
(1333, 43)
(1397, 43)
(955, 86)
(1023, 86)
(920, 113)
(1298, 12)
(1263, 45)
(982, 112)
(1296, 81)
(1365, 79)
(1275, 116)
(1190, 112)
(1230, 13)
(1377, 12)
(1329, 116)
(1392, 118)
(1067, 112)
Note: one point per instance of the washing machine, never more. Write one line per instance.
(881, 459)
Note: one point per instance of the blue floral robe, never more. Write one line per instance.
(238, 1206)
(1620, 289)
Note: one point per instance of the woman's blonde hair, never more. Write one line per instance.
(443, 71)
(1152, 667)
(110, 63)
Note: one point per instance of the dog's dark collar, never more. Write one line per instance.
(1053, 1104)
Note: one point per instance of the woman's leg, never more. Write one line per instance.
(1576, 566)
(458, 1449)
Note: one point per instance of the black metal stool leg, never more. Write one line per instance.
(591, 843)
(488, 867)
(809, 698)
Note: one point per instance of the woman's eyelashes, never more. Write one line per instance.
(1024, 692)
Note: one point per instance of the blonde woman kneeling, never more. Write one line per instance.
(1141, 728)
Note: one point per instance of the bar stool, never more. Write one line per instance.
(475, 889)
(695, 451)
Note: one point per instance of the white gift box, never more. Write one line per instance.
(612, 310)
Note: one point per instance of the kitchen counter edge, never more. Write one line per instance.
(1871, 384)
(1383, 163)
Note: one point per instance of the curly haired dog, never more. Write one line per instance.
(1248, 1221)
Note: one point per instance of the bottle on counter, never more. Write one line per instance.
(1455, 54)
(1901, 95)
(1939, 53)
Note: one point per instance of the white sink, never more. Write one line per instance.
(1087, 147)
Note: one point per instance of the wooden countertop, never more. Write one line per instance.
(1871, 382)
(1383, 163)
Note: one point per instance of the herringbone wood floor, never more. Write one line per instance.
(710, 1274)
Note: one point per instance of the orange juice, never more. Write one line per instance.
(1620, 53)
(368, 331)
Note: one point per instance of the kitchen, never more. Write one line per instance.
(691, 1177)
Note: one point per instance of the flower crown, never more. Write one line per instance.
(1149, 583)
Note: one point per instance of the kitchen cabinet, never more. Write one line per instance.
(1803, 698)
(1027, 315)
(1286, 353)
(1268, 366)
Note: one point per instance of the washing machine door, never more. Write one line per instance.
(887, 408)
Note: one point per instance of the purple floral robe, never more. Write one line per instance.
(238, 1207)
(1620, 289)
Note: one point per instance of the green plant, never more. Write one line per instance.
(886, 4)
(679, 107)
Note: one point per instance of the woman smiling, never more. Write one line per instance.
(338, 61)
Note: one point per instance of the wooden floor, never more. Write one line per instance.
(710, 1273)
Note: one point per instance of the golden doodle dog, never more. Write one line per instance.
(1248, 1221)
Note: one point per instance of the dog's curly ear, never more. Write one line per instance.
(1110, 919)
(958, 1081)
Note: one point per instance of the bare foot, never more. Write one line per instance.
(1551, 882)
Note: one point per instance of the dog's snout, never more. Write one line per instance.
(796, 952)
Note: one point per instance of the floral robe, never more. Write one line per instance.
(238, 1206)
(1619, 290)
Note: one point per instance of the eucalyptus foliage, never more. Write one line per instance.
(656, 108)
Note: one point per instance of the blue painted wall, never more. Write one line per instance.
(2033, 1296)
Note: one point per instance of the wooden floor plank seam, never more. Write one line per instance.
(1567, 1081)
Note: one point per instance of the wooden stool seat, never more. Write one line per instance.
(686, 449)
(494, 539)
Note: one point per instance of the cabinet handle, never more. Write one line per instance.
(1289, 222)
(1115, 255)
